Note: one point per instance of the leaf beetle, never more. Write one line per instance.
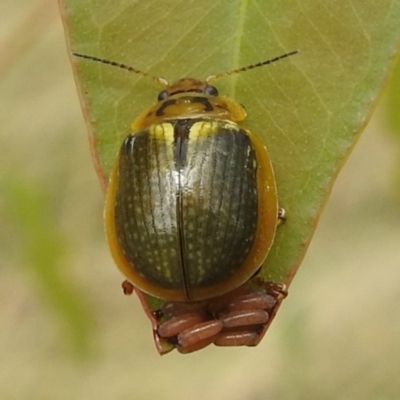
(191, 214)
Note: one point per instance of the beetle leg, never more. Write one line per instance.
(281, 215)
(127, 287)
(277, 290)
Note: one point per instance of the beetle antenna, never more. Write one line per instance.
(123, 66)
(252, 66)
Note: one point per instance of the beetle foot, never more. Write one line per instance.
(277, 290)
(281, 215)
(127, 288)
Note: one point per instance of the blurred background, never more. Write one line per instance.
(67, 332)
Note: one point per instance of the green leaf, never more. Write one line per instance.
(308, 109)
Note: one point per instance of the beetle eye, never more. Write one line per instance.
(211, 90)
(162, 95)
